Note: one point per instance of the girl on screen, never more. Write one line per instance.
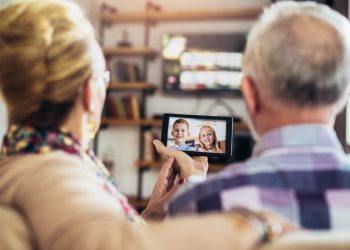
(208, 141)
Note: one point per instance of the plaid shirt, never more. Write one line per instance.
(298, 171)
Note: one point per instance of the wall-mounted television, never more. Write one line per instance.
(202, 63)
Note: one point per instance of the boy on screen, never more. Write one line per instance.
(180, 132)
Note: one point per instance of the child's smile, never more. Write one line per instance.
(180, 133)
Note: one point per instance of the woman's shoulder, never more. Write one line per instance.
(16, 169)
(24, 175)
(38, 160)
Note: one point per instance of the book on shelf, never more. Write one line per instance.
(120, 108)
(111, 107)
(123, 107)
(133, 72)
(135, 106)
(126, 102)
(150, 153)
(124, 71)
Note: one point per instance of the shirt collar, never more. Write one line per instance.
(296, 136)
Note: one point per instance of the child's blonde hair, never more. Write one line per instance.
(215, 142)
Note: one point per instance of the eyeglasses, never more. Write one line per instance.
(106, 77)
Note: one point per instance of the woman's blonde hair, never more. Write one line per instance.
(45, 57)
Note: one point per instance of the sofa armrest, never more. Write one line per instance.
(312, 240)
(14, 232)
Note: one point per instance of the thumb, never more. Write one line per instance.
(200, 158)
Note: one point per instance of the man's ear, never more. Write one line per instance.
(250, 94)
(88, 95)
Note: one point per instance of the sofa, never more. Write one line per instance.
(15, 234)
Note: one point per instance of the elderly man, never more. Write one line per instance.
(296, 73)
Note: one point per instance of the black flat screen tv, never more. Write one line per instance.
(202, 63)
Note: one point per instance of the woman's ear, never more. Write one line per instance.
(88, 93)
(250, 94)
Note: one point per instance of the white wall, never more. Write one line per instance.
(3, 3)
(3, 120)
(125, 139)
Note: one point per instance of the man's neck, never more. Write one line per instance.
(271, 119)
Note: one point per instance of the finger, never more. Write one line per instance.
(170, 174)
(161, 149)
(162, 182)
(174, 189)
(171, 180)
(167, 167)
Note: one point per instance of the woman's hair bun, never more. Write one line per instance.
(45, 56)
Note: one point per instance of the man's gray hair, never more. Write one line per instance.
(299, 54)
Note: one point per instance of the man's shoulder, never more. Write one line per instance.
(263, 174)
(266, 172)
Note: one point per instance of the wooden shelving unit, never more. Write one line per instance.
(153, 122)
(148, 19)
(213, 167)
(142, 89)
(131, 86)
(129, 51)
(181, 15)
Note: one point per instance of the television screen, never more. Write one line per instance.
(200, 63)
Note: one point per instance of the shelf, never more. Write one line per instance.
(131, 86)
(146, 54)
(130, 122)
(129, 51)
(213, 167)
(182, 15)
(154, 122)
(138, 204)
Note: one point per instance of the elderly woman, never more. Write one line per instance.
(53, 80)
